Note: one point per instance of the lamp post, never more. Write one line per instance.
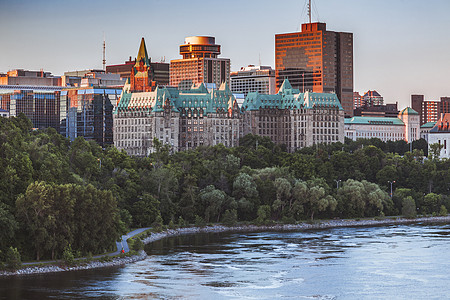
(337, 183)
(100, 161)
(391, 182)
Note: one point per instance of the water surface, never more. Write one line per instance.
(394, 262)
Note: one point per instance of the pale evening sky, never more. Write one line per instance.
(401, 47)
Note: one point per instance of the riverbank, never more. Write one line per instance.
(116, 261)
(119, 261)
(302, 226)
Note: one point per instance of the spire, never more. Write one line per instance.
(142, 54)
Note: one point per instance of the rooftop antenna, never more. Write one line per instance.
(104, 52)
(259, 58)
(309, 11)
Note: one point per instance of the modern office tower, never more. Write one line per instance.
(181, 119)
(428, 110)
(200, 64)
(294, 119)
(249, 79)
(160, 70)
(87, 112)
(317, 60)
(357, 100)
(33, 93)
(39, 103)
(372, 98)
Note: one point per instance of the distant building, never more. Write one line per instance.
(181, 119)
(386, 110)
(200, 64)
(250, 79)
(160, 70)
(357, 100)
(33, 93)
(87, 112)
(88, 78)
(31, 78)
(4, 113)
(430, 110)
(405, 127)
(294, 119)
(425, 130)
(317, 60)
(372, 98)
(440, 134)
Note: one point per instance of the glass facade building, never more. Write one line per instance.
(40, 104)
(87, 112)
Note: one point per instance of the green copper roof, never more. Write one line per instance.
(221, 100)
(428, 125)
(409, 111)
(290, 98)
(373, 121)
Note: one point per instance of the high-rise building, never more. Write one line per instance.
(429, 110)
(200, 64)
(87, 112)
(249, 79)
(317, 60)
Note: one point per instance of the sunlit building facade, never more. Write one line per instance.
(294, 119)
(183, 119)
(250, 79)
(200, 64)
(317, 60)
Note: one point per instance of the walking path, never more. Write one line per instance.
(120, 245)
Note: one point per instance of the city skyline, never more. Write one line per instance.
(399, 47)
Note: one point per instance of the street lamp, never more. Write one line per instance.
(100, 161)
(337, 183)
(391, 182)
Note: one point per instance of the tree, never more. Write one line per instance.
(312, 197)
(409, 207)
(435, 150)
(145, 210)
(431, 203)
(246, 195)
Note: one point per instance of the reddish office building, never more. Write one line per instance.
(317, 60)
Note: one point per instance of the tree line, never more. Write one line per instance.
(55, 193)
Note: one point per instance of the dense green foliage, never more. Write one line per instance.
(55, 193)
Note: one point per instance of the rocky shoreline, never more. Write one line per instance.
(118, 261)
(302, 226)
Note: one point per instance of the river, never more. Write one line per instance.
(391, 262)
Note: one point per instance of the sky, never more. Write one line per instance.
(401, 47)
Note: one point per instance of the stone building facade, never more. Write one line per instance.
(185, 119)
(294, 119)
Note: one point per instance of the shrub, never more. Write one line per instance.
(68, 255)
(13, 261)
(181, 222)
(230, 217)
(443, 211)
(138, 245)
(409, 207)
(199, 222)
